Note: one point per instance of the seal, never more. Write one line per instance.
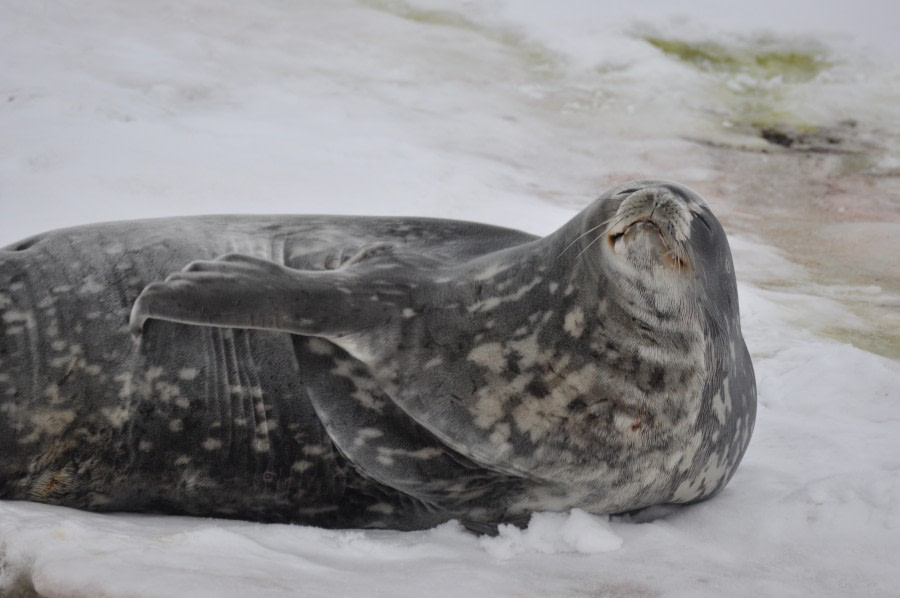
(376, 372)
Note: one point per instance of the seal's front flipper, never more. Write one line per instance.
(240, 291)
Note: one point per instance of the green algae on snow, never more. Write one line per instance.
(534, 55)
(754, 81)
(881, 342)
(758, 60)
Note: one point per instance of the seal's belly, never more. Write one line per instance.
(196, 420)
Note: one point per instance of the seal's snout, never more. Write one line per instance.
(652, 225)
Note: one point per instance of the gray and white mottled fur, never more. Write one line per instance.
(376, 372)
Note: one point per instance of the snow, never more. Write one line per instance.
(515, 113)
(553, 533)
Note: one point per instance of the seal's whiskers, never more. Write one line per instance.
(587, 232)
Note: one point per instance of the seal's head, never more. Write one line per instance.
(650, 229)
(652, 341)
(659, 241)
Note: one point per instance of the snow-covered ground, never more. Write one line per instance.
(516, 112)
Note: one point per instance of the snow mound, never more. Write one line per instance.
(552, 533)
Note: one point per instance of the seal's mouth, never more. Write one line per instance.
(623, 240)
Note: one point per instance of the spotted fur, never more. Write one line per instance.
(376, 372)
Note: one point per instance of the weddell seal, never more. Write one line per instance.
(376, 372)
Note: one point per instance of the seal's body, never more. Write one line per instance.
(375, 372)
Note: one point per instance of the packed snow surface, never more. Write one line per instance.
(515, 113)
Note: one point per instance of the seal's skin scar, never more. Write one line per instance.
(376, 372)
